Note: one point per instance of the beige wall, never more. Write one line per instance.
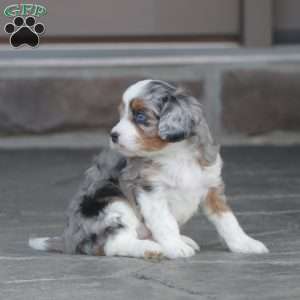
(139, 17)
(286, 14)
(109, 18)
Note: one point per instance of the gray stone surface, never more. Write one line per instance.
(263, 189)
(259, 101)
(48, 104)
(39, 105)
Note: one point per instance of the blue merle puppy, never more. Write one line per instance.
(162, 167)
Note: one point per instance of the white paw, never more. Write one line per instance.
(152, 250)
(246, 244)
(190, 242)
(113, 219)
(151, 246)
(177, 249)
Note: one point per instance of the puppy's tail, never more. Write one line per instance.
(54, 244)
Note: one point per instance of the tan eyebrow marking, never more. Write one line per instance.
(137, 104)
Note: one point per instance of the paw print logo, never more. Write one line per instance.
(24, 32)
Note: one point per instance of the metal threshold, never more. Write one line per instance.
(142, 54)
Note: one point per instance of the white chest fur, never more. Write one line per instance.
(185, 183)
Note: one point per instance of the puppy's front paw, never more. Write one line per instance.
(190, 242)
(177, 249)
(153, 255)
(152, 250)
(247, 245)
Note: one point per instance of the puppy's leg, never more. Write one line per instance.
(124, 240)
(126, 243)
(163, 225)
(145, 233)
(220, 214)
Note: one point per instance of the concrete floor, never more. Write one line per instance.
(264, 188)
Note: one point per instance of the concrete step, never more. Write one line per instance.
(59, 88)
(95, 139)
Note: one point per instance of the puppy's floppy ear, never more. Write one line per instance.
(178, 117)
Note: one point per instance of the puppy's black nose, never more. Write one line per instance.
(114, 137)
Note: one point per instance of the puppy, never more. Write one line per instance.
(163, 165)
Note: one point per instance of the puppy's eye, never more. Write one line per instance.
(140, 118)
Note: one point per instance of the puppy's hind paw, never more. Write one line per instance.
(113, 219)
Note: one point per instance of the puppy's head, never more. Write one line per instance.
(154, 115)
